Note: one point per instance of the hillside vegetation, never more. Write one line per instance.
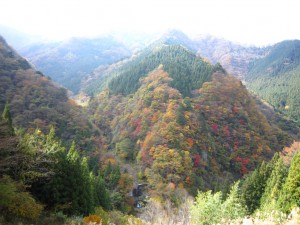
(235, 58)
(187, 71)
(36, 102)
(199, 142)
(166, 138)
(275, 78)
(45, 178)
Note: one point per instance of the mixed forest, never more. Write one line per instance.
(167, 137)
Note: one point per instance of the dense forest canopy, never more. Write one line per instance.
(187, 71)
(214, 132)
(275, 78)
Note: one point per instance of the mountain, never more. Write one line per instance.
(135, 40)
(187, 70)
(100, 78)
(164, 120)
(68, 62)
(275, 78)
(200, 134)
(235, 58)
(17, 38)
(79, 64)
(49, 151)
(176, 37)
(36, 102)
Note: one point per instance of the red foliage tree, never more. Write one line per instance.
(215, 127)
(244, 162)
(197, 159)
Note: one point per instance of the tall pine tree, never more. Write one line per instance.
(269, 200)
(254, 186)
(7, 117)
(101, 194)
(290, 196)
(9, 153)
(70, 189)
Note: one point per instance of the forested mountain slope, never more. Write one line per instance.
(80, 64)
(165, 118)
(275, 78)
(188, 71)
(203, 141)
(235, 58)
(36, 102)
(41, 173)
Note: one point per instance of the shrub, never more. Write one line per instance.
(92, 219)
(15, 200)
(210, 209)
(99, 211)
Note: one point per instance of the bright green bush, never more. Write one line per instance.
(92, 219)
(210, 209)
(207, 208)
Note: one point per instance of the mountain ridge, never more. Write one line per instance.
(68, 62)
(36, 102)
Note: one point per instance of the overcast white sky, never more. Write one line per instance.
(257, 22)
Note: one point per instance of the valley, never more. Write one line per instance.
(207, 128)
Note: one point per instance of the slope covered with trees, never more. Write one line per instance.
(38, 173)
(44, 182)
(202, 141)
(268, 195)
(188, 71)
(36, 102)
(235, 58)
(166, 120)
(275, 78)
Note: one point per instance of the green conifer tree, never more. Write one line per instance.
(87, 197)
(73, 154)
(101, 194)
(232, 207)
(10, 155)
(290, 196)
(269, 200)
(52, 144)
(7, 117)
(115, 175)
(70, 189)
(254, 186)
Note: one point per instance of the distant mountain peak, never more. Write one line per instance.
(176, 37)
(2, 40)
(175, 34)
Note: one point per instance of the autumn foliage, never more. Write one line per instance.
(92, 219)
(188, 141)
